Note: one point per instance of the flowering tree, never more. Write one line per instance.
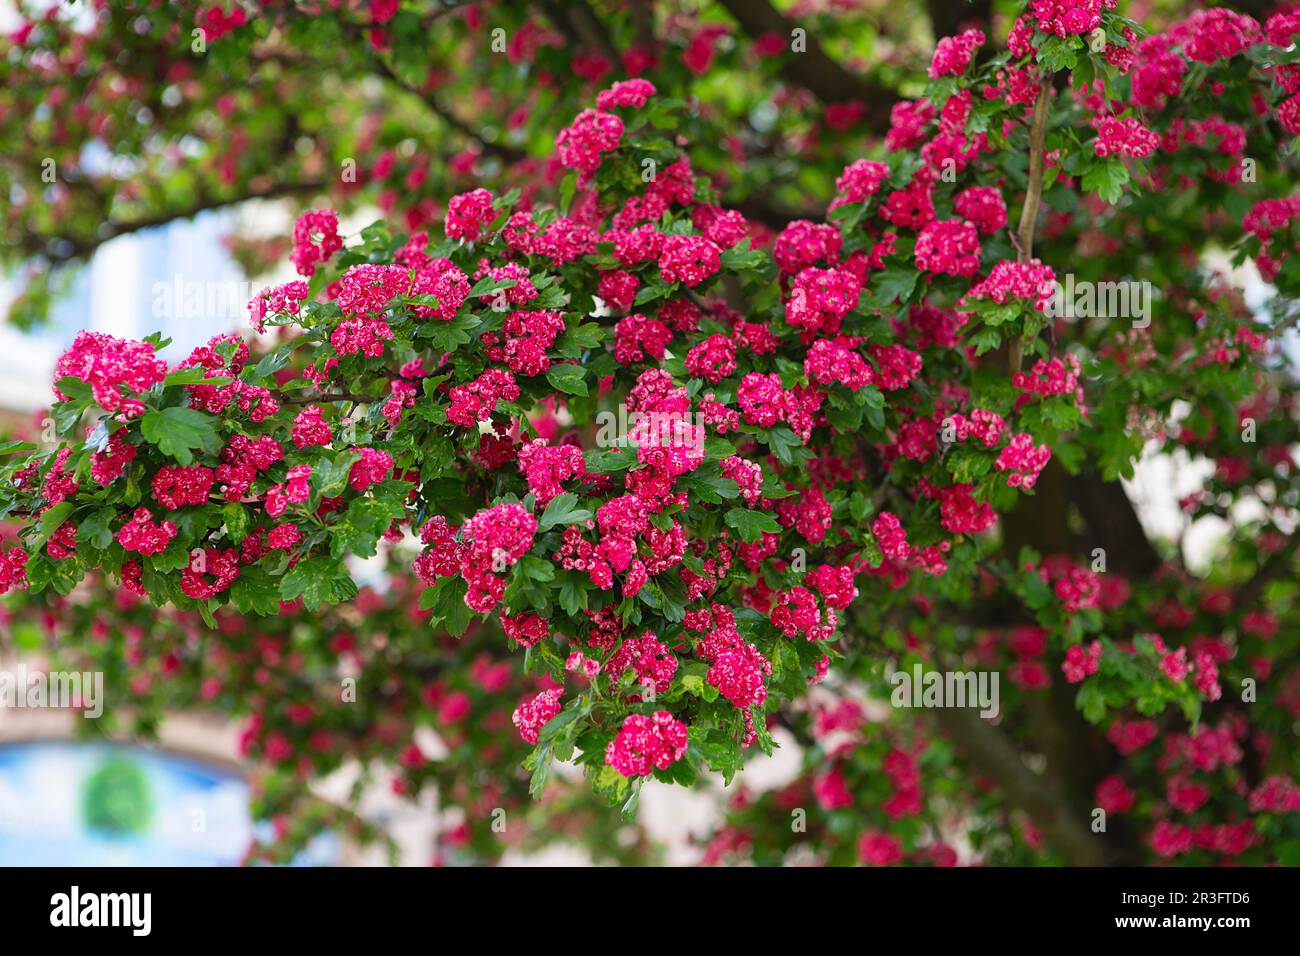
(661, 465)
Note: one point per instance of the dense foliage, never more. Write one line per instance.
(651, 463)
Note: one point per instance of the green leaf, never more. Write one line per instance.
(1107, 180)
(236, 519)
(985, 340)
(274, 360)
(563, 509)
(315, 580)
(890, 285)
(51, 519)
(602, 462)
(487, 285)
(783, 442)
(449, 605)
(567, 379)
(330, 477)
(95, 528)
(751, 525)
(711, 489)
(192, 376)
(178, 431)
(363, 524)
(255, 592)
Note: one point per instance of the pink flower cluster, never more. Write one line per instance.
(315, 239)
(738, 669)
(1069, 17)
(295, 490)
(617, 289)
(860, 181)
(1266, 217)
(1078, 589)
(1218, 33)
(796, 611)
(535, 713)
(985, 425)
(526, 630)
(891, 537)
(106, 364)
(59, 484)
(764, 402)
(579, 146)
(804, 243)
(1050, 377)
(1080, 661)
(142, 534)
(368, 288)
(286, 299)
(175, 486)
(959, 512)
(210, 573)
(107, 465)
(527, 337)
(442, 280)
(366, 335)
(983, 206)
(879, 849)
(713, 359)
(748, 475)
(652, 663)
(371, 468)
(896, 366)
(948, 247)
(495, 540)
(468, 214)
(646, 743)
(475, 401)
(1130, 736)
(310, 428)
(1030, 281)
(630, 94)
(821, 298)
(638, 338)
(689, 259)
(546, 467)
(242, 459)
(834, 584)
(13, 569)
(1024, 460)
(830, 361)
(953, 54)
(1124, 137)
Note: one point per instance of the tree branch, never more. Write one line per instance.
(1024, 236)
(947, 17)
(82, 247)
(814, 69)
(992, 753)
(502, 151)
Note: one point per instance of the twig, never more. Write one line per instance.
(287, 399)
(1023, 240)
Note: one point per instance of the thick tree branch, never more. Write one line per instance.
(948, 17)
(1113, 524)
(993, 754)
(70, 248)
(576, 20)
(814, 69)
